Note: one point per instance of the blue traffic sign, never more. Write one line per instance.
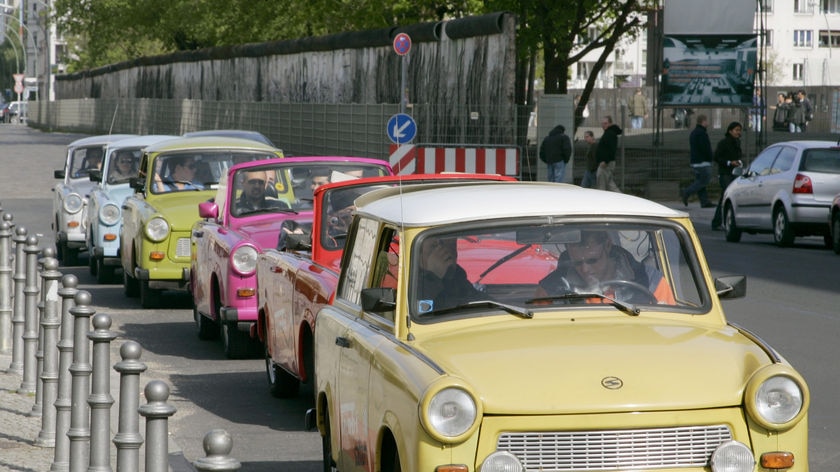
(402, 44)
(401, 128)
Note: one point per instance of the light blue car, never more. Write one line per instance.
(104, 215)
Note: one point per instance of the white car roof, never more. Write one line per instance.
(135, 141)
(101, 139)
(493, 200)
(806, 144)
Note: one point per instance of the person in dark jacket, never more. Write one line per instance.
(701, 163)
(728, 158)
(555, 151)
(605, 155)
(590, 173)
(442, 283)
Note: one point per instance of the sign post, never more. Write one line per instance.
(402, 45)
(401, 128)
(18, 84)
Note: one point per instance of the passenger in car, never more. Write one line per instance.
(181, 175)
(442, 283)
(253, 194)
(123, 167)
(595, 264)
(92, 161)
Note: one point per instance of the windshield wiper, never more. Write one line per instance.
(268, 210)
(512, 309)
(628, 308)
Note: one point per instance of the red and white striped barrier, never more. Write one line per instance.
(411, 159)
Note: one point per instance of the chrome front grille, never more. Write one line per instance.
(182, 248)
(657, 448)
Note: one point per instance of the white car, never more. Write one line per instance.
(71, 193)
(787, 191)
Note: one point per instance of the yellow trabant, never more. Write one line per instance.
(542, 327)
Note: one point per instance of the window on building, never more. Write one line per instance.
(768, 38)
(830, 6)
(766, 5)
(803, 6)
(797, 71)
(802, 39)
(829, 38)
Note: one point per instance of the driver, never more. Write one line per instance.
(442, 283)
(253, 194)
(594, 260)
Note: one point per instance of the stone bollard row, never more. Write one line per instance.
(18, 319)
(5, 286)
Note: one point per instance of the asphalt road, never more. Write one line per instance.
(792, 302)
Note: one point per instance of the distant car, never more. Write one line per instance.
(834, 223)
(232, 133)
(787, 191)
(17, 111)
(620, 359)
(71, 194)
(239, 224)
(174, 177)
(103, 217)
(5, 114)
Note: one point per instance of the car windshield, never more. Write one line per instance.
(192, 171)
(122, 165)
(85, 159)
(633, 267)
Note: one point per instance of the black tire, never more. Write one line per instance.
(835, 233)
(733, 234)
(149, 297)
(326, 445)
(104, 274)
(236, 344)
(131, 286)
(281, 384)
(69, 257)
(92, 267)
(390, 457)
(206, 329)
(782, 232)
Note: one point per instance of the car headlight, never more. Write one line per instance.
(157, 229)
(501, 461)
(109, 214)
(244, 259)
(73, 203)
(777, 397)
(449, 412)
(732, 456)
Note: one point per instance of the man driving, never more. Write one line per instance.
(253, 196)
(442, 283)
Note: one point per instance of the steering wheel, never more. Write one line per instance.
(644, 294)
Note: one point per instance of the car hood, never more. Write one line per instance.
(567, 366)
(264, 233)
(180, 209)
(118, 193)
(82, 186)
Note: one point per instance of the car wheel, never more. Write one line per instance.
(782, 232)
(236, 344)
(390, 457)
(733, 234)
(281, 384)
(326, 445)
(69, 256)
(131, 286)
(205, 327)
(104, 274)
(92, 267)
(149, 297)
(835, 233)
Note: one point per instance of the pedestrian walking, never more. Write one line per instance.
(780, 114)
(605, 155)
(807, 109)
(728, 157)
(700, 147)
(638, 109)
(555, 151)
(590, 171)
(796, 115)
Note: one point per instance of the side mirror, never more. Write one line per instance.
(95, 175)
(208, 210)
(59, 174)
(137, 183)
(731, 286)
(379, 300)
(738, 171)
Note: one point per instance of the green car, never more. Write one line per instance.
(175, 176)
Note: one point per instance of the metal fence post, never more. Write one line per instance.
(61, 459)
(157, 413)
(30, 327)
(18, 318)
(5, 287)
(217, 445)
(128, 439)
(46, 255)
(50, 326)
(100, 399)
(79, 432)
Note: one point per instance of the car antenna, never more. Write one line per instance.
(113, 119)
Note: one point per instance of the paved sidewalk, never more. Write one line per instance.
(18, 429)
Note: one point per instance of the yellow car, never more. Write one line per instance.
(175, 176)
(542, 327)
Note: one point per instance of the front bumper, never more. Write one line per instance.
(165, 278)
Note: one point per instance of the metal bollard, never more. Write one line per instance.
(217, 445)
(50, 325)
(18, 317)
(100, 399)
(30, 327)
(68, 291)
(5, 287)
(157, 413)
(128, 439)
(47, 254)
(79, 431)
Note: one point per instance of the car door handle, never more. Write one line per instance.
(341, 341)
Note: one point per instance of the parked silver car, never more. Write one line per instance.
(834, 223)
(787, 191)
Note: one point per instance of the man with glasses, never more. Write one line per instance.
(122, 167)
(253, 196)
(594, 264)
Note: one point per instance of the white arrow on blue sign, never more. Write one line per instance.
(401, 128)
